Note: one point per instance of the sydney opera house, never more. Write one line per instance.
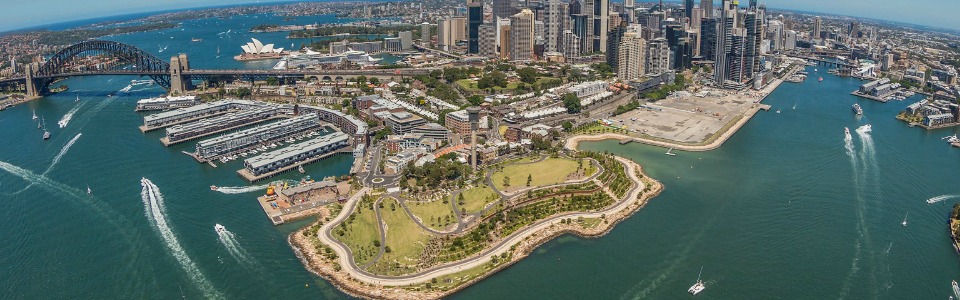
(257, 50)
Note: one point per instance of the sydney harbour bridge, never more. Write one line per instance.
(174, 75)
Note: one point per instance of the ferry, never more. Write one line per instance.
(857, 109)
(956, 289)
(219, 228)
(213, 188)
(699, 286)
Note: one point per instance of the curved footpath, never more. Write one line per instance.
(541, 231)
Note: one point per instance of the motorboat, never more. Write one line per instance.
(214, 188)
(857, 109)
(300, 168)
(846, 130)
(219, 228)
(956, 289)
(700, 286)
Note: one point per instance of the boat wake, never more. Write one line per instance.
(126, 89)
(69, 115)
(241, 189)
(941, 198)
(229, 241)
(156, 212)
(56, 159)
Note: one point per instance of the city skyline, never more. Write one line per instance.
(72, 11)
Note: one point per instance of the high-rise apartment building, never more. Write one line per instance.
(487, 40)
(631, 56)
(571, 45)
(707, 7)
(521, 36)
(449, 31)
(817, 23)
(425, 35)
(657, 56)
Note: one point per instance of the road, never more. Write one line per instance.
(346, 260)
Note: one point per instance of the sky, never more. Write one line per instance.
(17, 14)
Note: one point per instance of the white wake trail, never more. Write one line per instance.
(56, 159)
(941, 198)
(229, 241)
(242, 189)
(156, 213)
(69, 116)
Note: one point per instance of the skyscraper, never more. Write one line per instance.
(613, 39)
(425, 35)
(521, 36)
(724, 41)
(754, 30)
(556, 20)
(707, 6)
(504, 40)
(657, 56)
(629, 6)
(504, 8)
(708, 39)
(631, 56)
(571, 45)
(817, 22)
(688, 9)
(450, 31)
(488, 40)
(601, 14)
(474, 18)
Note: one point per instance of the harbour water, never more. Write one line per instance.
(781, 210)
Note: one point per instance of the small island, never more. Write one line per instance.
(449, 227)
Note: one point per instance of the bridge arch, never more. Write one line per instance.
(140, 61)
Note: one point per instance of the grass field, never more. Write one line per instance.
(476, 198)
(405, 239)
(359, 233)
(434, 214)
(547, 172)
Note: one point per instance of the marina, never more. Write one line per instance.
(210, 149)
(293, 156)
(229, 121)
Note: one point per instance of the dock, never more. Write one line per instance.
(249, 176)
(166, 141)
(625, 141)
(874, 98)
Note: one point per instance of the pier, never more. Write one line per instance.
(249, 176)
(209, 126)
(193, 113)
(235, 142)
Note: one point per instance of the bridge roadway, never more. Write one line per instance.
(236, 72)
(345, 256)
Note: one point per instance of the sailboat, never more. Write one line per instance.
(670, 152)
(46, 134)
(905, 220)
(88, 190)
(34, 115)
(78, 99)
(699, 286)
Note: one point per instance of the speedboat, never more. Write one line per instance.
(699, 286)
(956, 289)
(213, 188)
(846, 130)
(219, 228)
(857, 109)
(46, 134)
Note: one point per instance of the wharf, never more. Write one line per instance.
(874, 98)
(280, 215)
(625, 141)
(246, 174)
(168, 143)
(145, 128)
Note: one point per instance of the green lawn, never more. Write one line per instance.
(435, 214)
(405, 239)
(477, 198)
(360, 231)
(547, 172)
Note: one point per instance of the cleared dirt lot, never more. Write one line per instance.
(687, 118)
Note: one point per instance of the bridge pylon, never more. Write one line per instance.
(31, 86)
(179, 83)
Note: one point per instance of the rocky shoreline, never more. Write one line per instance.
(330, 270)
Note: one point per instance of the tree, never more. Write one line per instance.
(529, 179)
(242, 92)
(273, 81)
(603, 68)
(460, 200)
(374, 80)
(506, 181)
(567, 126)
(527, 74)
(361, 80)
(475, 100)
(571, 102)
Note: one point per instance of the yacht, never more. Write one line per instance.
(219, 228)
(857, 109)
(699, 286)
(956, 289)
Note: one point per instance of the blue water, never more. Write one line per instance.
(779, 211)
